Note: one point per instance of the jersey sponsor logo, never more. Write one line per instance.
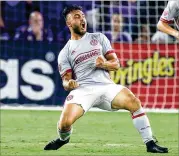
(69, 97)
(87, 55)
(93, 42)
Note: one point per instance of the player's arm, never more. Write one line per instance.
(164, 27)
(110, 62)
(65, 71)
(68, 82)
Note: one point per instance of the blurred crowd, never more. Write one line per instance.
(121, 21)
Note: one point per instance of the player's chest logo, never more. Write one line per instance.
(94, 42)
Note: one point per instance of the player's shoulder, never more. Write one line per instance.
(65, 50)
(96, 35)
(173, 4)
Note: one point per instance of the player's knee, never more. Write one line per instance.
(137, 102)
(134, 103)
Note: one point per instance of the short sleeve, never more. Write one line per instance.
(106, 45)
(63, 63)
(169, 13)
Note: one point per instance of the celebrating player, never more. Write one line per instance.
(84, 63)
(170, 14)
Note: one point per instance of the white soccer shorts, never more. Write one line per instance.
(90, 96)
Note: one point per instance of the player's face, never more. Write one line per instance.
(77, 22)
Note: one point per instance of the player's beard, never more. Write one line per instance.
(78, 31)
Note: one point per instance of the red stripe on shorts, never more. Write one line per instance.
(136, 116)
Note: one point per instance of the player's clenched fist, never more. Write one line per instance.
(100, 62)
(70, 85)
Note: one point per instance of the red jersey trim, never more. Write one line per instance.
(110, 52)
(164, 20)
(67, 71)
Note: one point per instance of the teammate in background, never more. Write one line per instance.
(170, 14)
(89, 56)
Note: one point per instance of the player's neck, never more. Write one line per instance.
(75, 36)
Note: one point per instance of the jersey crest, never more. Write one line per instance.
(94, 42)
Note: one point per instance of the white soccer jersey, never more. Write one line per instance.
(171, 13)
(79, 56)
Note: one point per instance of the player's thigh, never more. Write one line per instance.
(109, 92)
(84, 96)
(78, 102)
(71, 112)
(125, 99)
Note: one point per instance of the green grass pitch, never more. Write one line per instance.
(95, 134)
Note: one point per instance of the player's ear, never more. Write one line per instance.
(68, 23)
(68, 20)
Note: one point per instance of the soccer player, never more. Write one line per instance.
(84, 63)
(170, 14)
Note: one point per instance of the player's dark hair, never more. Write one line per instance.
(70, 8)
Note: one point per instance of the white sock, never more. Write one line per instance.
(142, 124)
(64, 134)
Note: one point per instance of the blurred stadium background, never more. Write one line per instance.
(149, 58)
(29, 74)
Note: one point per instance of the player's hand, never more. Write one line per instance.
(100, 62)
(72, 84)
(177, 36)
